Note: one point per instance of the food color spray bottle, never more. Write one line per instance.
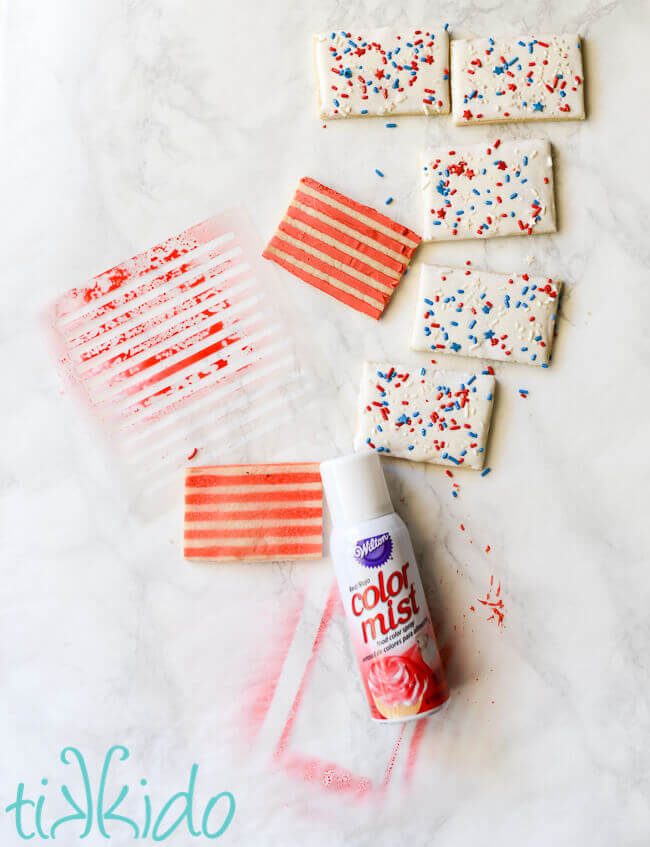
(382, 593)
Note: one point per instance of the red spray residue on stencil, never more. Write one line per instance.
(331, 604)
(332, 777)
(414, 749)
(393, 758)
(259, 695)
(147, 341)
(328, 776)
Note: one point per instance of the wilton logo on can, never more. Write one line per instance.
(374, 551)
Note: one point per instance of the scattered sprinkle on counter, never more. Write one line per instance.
(493, 603)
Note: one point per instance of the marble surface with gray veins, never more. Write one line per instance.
(127, 122)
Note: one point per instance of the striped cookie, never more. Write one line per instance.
(349, 251)
(254, 513)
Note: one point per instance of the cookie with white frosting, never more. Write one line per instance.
(517, 79)
(506, 317)
(382, 71)
(487, 189)
(424, 414)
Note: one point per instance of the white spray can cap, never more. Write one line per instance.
(355, 488)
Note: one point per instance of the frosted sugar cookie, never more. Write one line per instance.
(424, 414)
(253, 513)
(517, 79)
(382, 71)
(483, 190)
(507, 317)
(349, 251)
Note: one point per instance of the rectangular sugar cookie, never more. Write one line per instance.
(517, 79)
(483, 190)
(382, 72)
(510, 318)
(349, 251)
(424, 415)
(254, 513)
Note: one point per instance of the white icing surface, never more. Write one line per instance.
(507, 317)
(382, 71)
(424, 414)
(487, 189)
(524, 78)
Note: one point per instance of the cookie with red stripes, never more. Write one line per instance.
(254, 513)
(350, 251)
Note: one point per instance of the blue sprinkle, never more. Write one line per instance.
(391, 126)
(378, 172)
(486, 472)
(389, 201)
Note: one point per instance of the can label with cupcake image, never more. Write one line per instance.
(390, 625)
(382, 592)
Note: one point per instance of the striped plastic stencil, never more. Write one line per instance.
(182, 346)
(349, 251)
(253, 512)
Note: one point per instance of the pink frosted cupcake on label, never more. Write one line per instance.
(398, 686)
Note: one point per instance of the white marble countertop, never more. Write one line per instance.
(127, 122)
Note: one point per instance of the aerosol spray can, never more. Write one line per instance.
(382, 593)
